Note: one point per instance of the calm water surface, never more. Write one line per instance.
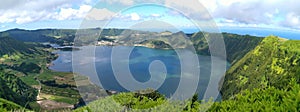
(139, 61)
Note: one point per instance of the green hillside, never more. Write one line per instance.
(271, 64)
(28, 36)
(9, 46)
(236, 45)
(13, 55)
(268, 99)
(6, 105)
(14, 89)
(58, 36)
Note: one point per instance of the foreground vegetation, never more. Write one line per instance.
(268, 99)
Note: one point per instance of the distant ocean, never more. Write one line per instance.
(261, 32)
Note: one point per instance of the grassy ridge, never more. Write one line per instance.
(14, 89)
(269, 99)
(272, 63)
(236, 45)
(6, 105)
(58, 36)
(11, 46)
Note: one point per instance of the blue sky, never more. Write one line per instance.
(74, 14)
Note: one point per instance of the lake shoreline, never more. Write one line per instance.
(167, 56)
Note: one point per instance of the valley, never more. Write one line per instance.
(28, 70)
(263, 70)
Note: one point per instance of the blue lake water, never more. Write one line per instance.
(139, 61)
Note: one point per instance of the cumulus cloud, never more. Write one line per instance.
(284, 13)
(70, 13)
(269, 12)
(22, 16)
(135, 16)
(26, 16)
(155, 15)
(34, 4)
(249, 12)
(24, 11)
(292, 20)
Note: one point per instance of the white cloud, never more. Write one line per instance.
(259, 12)
(155, 15)
(22, 5)
(284, 13)
(100, 14)
(190, 8)
(24, 20)
(292, 20)
(22, 16)
(70, 13)
(135, 16)
(24, 11)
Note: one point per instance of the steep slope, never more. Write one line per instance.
(9, 106)
(28, 35)
(13, 89)
(9, 46)
(236, 45)
(267, 99)
(271, 64)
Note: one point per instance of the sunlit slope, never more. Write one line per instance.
(236, 45)
(271, 64)
(13, 89)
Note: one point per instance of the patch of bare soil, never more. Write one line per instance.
(53, 105)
